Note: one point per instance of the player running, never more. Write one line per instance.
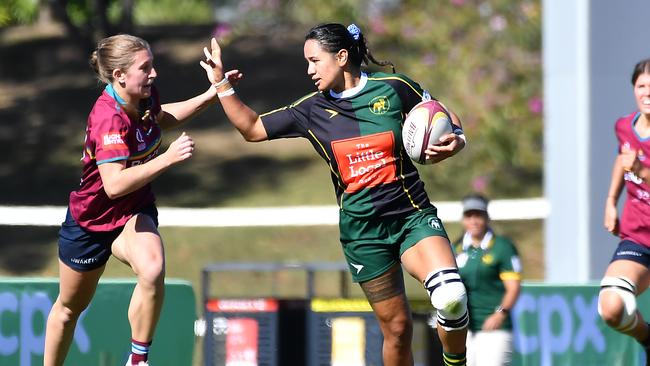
(113, 211)
(627, 275)
(354, 123)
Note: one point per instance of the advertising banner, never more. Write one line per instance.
(102, 336)
(560, 326)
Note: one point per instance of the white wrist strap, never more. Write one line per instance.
(226, 93)
(220, 83)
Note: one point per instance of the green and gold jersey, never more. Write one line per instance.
(359, 135)
(483, 270)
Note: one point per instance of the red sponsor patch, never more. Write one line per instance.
(366, 161)
(113, 141)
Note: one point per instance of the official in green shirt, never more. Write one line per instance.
(491, 272)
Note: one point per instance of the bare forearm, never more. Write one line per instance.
(245, 119)
(616, 182)
(131, 179)
(513, 287)
(455, 119)
(175, 114)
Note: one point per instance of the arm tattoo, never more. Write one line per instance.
(388, 285)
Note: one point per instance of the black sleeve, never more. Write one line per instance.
(409, 92)
(289, 121)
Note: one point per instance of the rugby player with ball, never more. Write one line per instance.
(387, 222)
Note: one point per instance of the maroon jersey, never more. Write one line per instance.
(635, 220)
(112, 136)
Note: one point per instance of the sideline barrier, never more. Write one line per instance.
(344, 332)
(554, 325)
(102, 336)
(241, 332)
(559, 325)
(260, 331)
(510, 209)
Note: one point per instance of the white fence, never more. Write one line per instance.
(515, 209)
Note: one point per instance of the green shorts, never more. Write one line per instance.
(372, 246)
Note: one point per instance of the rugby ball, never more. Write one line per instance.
(423, 126)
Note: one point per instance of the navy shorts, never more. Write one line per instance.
(84, 250)
(632, 251)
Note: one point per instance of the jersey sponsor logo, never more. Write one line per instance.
(146, 159)
(366, 161)
(113, 141)
(631, 177)
(379, 105)
(332, 112)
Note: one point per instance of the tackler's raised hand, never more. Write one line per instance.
(213, 66)
(181, 149)
(212, 62)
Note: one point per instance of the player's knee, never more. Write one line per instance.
(617, 303)
(152, 274)
(67, 313)
(398, 333)
(449, 297)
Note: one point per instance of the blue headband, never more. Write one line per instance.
(355, 32)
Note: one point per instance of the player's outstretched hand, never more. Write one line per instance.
(448, 146)
(213, 65)
(213, 61)
(181, 149)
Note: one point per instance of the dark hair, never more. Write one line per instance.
(642, 67)
(334, 37)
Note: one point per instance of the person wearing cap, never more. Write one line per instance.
(491, 272)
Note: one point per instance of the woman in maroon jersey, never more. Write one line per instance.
(386, 220)
(627, 275)
(113, 210)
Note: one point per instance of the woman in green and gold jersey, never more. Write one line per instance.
(491, 271)
(354, 122)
